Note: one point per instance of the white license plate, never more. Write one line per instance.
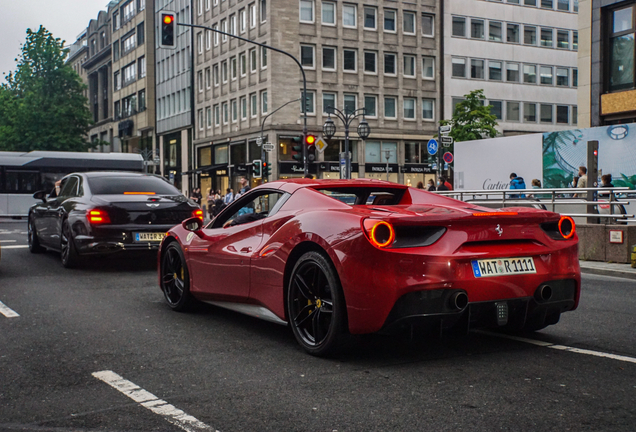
(149, 236)
(503, 266)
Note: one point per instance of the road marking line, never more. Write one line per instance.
(8, 241)
(563, 347)
(152, 402)
(9, 313)
(15, 247)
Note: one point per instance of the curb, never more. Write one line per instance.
(607, 272)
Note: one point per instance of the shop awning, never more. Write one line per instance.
(206, 168)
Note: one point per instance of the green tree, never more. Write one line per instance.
(472, 120)
(42, 104)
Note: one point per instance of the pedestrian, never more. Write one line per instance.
(447, 184)
(441, 184)
(606, 182)
(431, 185)
(245, 185)
(196, 193)
(536, 184)
(582, 183)
(309, 176)
(517, 182)
(211, 198)
(229, 196)
(420, 185)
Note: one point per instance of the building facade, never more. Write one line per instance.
(522, 53)
(174, 96)
(77, 56)
(133, 96)
(375, 55)
(607, 93)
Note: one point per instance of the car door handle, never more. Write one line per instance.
(246, 249)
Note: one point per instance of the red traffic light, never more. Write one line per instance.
(310, 140)
(168, 19)
(595, 152)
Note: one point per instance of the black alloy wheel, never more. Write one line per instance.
(32, 236)
(175, 278)
(70, 257)
(315, 305)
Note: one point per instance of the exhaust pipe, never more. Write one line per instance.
(544, 293)
(459, 301)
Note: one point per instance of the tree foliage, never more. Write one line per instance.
(472, 120)
(42, 104)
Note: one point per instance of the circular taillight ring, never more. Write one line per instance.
(373, 234)
(567, 227)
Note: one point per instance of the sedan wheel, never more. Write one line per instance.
(32, 236)
(315, 305)
(70, 257)
(175, 278)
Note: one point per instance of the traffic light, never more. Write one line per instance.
(168, 24)
(297, 149)
(267, 170)
(310, 142)
(257, 168)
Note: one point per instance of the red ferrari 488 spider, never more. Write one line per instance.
(338, 257)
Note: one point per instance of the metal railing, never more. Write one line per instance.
(612, 199)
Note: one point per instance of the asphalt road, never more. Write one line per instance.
(213, 369)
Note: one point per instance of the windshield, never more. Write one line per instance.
(365, 195)
(138, 185)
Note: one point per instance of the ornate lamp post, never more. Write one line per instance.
(329, 130)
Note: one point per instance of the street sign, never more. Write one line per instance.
(447, 140)
(268, 147)
(448, 157)
(444, 129)
(432, 147)
(259, 141)
(321, 145)
(343, 166)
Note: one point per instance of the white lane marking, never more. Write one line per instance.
(152, 402)
(563, 347)
(14, 247)
(6, 311)
(8, 241)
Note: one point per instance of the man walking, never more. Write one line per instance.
(229, 196)
(517, 182)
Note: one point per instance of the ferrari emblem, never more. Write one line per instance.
(499, 230)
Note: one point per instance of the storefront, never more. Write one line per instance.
(331, 170)
(172, 164)
(288, 170)
(413, 174)
(379, 172)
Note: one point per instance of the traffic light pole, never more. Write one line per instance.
(263, 153)
(304, 105)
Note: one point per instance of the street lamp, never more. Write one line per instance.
(329, 130)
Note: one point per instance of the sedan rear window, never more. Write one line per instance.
(131, 186)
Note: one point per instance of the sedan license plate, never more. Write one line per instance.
(149, 236)
(503, 267)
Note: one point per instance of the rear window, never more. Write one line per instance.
(131, 186)
(365, 196)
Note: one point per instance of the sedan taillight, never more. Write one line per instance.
(380, 233)
(198, 214)
(97, 217)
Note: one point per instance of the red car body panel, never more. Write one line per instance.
(248, 263)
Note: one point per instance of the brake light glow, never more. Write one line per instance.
(496, 214)
(198, 214)
(139, 193)
(567, 228)
(380, 233)
(96, 217)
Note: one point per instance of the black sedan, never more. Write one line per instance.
(105, 212)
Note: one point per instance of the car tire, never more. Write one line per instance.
(315, 305)
(68, 252)
(175, 278)
(32, 238)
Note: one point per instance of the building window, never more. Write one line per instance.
(208, 40)
(546, 37)
(575, 40)
(224, 30)
(495, 31)
(546, 75)
(621, 43)
(216, 75)
(563, 5)
(545, 113)
(428, 67)
(200, 81)
(496, 109)
(409, 66)
(306, 11)
(494, 71)
(199, 7)
(529, 35)
(208, 112)
(512, 72)
(389, 20)
(253, 105)
(370, 18)
(234, 105)
(242, 20)
(216, 35)
(141, 34)
(243, 108)
(476, 28)
(252, 9)
(307, 56)
(243, 63)
(563, 39)
(409, 108)
(328, 101)
(200, 118)
(328, 13)
(370, 106)
(575, 77)
(390, 64)
(141, 65)
(562, 77)
(233, 68)
(208, 79)
(370, 62)
(547, 4)
(263, 58)
(408, 22)
(562, 114)
(459, 26)
(328, 58)
(233, 24)
(264, 102)
(512, 111)
(512, 33)
(263, 10)
(253, 65)
(226, 113)
(529, 74)
(389, 107)
(224, 71)
(349, 60)
(350, 103)
(349, 15)
(117, 79)
(428, 109)
(459, 68)
(477, 69)
(428, 22)
(529, 112)
(200, 43)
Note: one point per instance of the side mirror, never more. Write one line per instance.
(193, 224)
(40, 195)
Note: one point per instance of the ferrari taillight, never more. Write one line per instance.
(198, 214)
(380, 233)
(97, 217)
(567, 227)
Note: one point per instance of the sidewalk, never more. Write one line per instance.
(608, 269)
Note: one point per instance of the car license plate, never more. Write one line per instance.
(503, 266)
(149, 236)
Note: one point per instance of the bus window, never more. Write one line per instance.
(22, 181)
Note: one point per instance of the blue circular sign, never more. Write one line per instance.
(432, 147)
